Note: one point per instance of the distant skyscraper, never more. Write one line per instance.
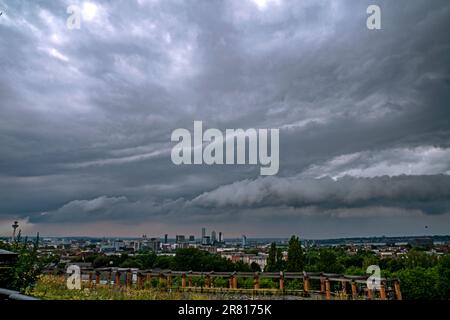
(203, 232)
(165, 238)
(220, 237)
(213, 237)
(179, 239)
(244, 240)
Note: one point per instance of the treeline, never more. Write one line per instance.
(183, 260)
(423, 275)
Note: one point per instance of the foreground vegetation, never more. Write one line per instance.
(423, 275)
(50, 287)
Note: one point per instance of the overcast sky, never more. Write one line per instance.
(86, 117)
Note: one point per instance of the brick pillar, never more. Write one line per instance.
(117, 280)
(161, 279)
(139, 280)
(369, 294)
(109, 276)
(235, 282)
(354, 291)
(190, 280)
(207, 281)
(281, 281)
(91, 276)
(149, 279)
(183, 280)
(382, 292)
(322, 285)
(256, 281)
(327, 289)
(128, 278)
(97, 278)
(398, 293)
(306, 284)
(344, 287)
(230, 282)
(169, 280)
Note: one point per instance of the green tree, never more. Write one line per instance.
(280, 263)
(419, 283)
(24, 273)
(255, 267)
(328, 262)
(271, 258)
(443, 270)
(295, 260)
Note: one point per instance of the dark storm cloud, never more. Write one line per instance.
(430, 194)
(86, 115)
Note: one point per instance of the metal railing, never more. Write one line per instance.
(6, 294)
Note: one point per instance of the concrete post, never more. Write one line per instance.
(190, 280)
(344, 287)
(369, 294)
(281, 280)
(256, 281)
(139, 280)
(354, 291)
(169, 280)
(183, 280)
(91, 275)
(128, 278)
(117, 280)
(382, 292)
(322, 285)
(398, 293)
(327, 289)
(149, 279)
(306, 284)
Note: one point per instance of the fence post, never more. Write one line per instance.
(370, 293)
(117, 280)
(281, 280)
(322, 285)
(139, 280)
(97, 277)
(149, 279)
(128, 278)
(382, 292)
(190, 279)
(327, 289)
(90, 278)
(344, 287)
(256, 281)
(398, 293)
(354, 290)
(183, 280)
(306, 284)
(109, 276)
(169, 280)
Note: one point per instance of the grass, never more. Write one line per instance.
(50, 287)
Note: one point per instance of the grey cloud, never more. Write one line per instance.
(88, 113)
(431, 194)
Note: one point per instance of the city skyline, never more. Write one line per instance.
(87, 117)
